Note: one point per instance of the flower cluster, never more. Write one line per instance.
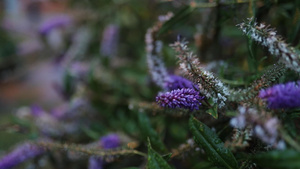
(180, 98)
(282, 96)
(20, 154)
(263, 125)
(276, 46)
(209, 86)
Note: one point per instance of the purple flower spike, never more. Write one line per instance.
(19, 155)
(282, 96)
(110, 141)
(178, 82)
(180, 98)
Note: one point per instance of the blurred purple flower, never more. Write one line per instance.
(36, 110)
(178, 82)
(264, 126)
(110, 141)
(80, 69)
(95, 163)
(180, 98)
(19, 155)
(109, 41)
(54, 22)
(282, 95)
(107, 142)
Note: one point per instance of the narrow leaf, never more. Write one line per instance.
(213, 111)
(212, 145)
(167, 157)
(148, 131)
(155, 161)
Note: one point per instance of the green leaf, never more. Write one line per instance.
(148, 131)
(212, 145)
(155, 161)
(287, 159)
(213, 111)
(177, 20)
(296, 27)
(167, 157)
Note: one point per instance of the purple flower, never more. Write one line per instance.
(19, 155)
(282, 95)
(110, 141)
(54, 22)
(107, 142)
(36, 110)
(95, 163)
(178, 82)
(110, 38)
(180, 98)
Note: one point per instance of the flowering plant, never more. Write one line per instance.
(225, 92)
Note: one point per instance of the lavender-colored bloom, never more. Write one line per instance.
(95, 163)
(54, 22)
(110, 38)
(178, 82)
(107, 142)
(19, 155)
(110, 141)
(180, 98)
(36, 110)
(282, 95)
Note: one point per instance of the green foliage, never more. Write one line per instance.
(269, 76)
(212, 145)
(287, 159)
(177, 20)
(155, 161)
(148, 132)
